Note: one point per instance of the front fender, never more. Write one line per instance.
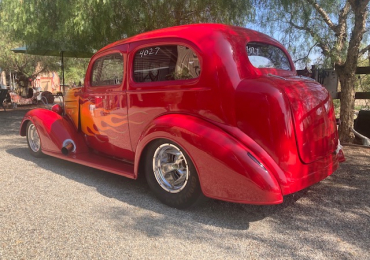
(226, 170)
(53, 130)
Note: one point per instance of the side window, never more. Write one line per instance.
(107, 70)
(166, 62)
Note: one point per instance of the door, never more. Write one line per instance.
(104, 106)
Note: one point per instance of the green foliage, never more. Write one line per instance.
(363, 81)
(75, 70)
(91, 24)
(42, 23)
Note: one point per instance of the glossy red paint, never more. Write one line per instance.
(53, 129)
(225, 169)
(253, 134)
(57, 109)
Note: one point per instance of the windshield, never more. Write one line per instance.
(263, 55)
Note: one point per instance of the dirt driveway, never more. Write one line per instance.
(52, 209)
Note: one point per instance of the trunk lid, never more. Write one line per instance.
(313, 118)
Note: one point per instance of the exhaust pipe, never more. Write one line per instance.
(68, 147)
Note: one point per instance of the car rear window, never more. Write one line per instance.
(263, 55)
(165, 62)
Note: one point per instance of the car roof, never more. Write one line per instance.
(197, 33)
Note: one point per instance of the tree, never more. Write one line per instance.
(91, 24)
(75, 70)
(336, 27)
(25, 66)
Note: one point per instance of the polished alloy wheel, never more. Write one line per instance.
(170, 168)
(33, 138)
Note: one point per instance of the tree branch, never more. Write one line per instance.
(360, 10)
(325, 49)
(308, 54)
(341, 31)
(362, 52)
(323, 14)
(34, 75)
(343, 14)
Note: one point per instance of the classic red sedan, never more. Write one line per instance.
(204, 109)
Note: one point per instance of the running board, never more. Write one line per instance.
(98, 162)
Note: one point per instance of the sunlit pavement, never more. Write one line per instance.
(52, 209)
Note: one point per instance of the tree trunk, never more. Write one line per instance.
(347, 72)
(347, 105)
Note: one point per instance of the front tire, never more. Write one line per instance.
(33, 140)
(171, 174)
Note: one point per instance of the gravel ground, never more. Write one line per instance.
(52, 209)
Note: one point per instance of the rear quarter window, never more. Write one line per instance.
(164, 63)
(263, 55)
(107, 70)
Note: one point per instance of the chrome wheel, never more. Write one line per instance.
(33, 138)
(171, 174)
(170, 168)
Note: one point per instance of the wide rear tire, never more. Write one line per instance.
(171, 174)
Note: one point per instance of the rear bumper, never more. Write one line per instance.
(312, 173)
(308, 174)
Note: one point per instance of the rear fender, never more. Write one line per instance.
(53, 130)
(224, 165)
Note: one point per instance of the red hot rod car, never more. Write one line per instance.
(198, 109)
